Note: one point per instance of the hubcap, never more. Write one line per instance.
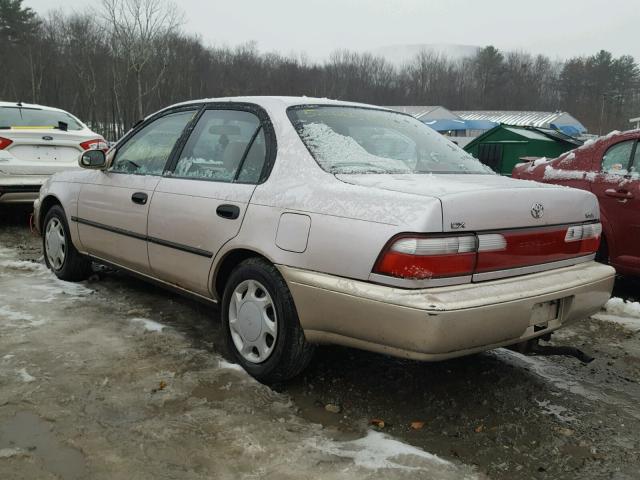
(55, 243)
(252, 321)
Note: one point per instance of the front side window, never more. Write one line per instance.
(25, 117)
(147, 152)
(221, 145)
(363, 140)
(616, 160)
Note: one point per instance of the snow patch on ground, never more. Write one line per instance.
(12, 452)
(21, 265)
(377, 450)
(149, 325)
(230, 366)
(623, 308)
(8, 313)
(622, 312)
(561, 413)
(25, 377)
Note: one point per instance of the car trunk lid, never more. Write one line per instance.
(474, 203)
(42, 150)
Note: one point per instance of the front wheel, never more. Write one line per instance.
(59, 253)
(261, 325)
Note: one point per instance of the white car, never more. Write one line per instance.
(36, 142)
(309, 226)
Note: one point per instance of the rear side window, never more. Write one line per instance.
(225, 146)
(35, 117)
(147, 152)
(616, 160)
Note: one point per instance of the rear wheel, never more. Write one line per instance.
(59, 253)
(261, 325)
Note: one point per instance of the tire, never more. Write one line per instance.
(289, 352)
(59, 253)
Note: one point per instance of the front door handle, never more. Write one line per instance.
(621, 194)
(230, 212)
(139, 197)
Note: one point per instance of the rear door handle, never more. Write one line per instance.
(230, 212)
(622, 194)
(139, 197)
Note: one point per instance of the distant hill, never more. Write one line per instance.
(399, 54)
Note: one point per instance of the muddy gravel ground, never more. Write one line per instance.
(113, 378)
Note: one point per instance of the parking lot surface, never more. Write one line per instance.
(114, 378)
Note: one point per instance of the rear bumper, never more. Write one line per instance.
(20, 188)
(446, 322)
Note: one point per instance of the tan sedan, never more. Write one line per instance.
(316, 221)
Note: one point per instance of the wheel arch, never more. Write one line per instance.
(227, 263)
(47, 202)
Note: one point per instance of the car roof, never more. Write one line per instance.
(31, 105)
(283, 100)
(272, 102)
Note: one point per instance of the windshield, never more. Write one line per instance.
(363, 140)
(34, 117)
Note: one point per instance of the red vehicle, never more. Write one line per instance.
(610, 168)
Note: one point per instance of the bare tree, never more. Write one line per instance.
(139, 32)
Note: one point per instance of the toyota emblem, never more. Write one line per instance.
(537, 210)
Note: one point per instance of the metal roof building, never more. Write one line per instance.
(555, 120)
(429, 112)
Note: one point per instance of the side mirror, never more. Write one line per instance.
(93, 159)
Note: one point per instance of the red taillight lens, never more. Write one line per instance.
(418, 257)
(424, 257)
(519, 248)
(95, 144)
(4, 143)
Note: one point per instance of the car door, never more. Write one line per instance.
(617, 186)
(113, 206)
(199, 204)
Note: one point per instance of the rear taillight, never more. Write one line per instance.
(428, 257)
(95, 144)
(519, 248)
(424, 257)
(4, 143)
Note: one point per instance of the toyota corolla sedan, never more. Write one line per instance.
(35, 142)
(314, 221)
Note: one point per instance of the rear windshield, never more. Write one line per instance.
(363, 140)
(34, 117)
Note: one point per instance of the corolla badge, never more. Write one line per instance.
(47, 137)
(537, 210)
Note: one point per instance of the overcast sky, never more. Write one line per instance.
(557, 28)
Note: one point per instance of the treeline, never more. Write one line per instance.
(132, 57)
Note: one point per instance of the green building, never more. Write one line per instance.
(502, 147)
